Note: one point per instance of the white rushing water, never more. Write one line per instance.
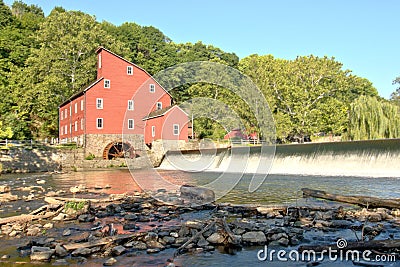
(378, 158)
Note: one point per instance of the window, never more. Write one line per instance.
(65, 129)
(159, 105)
(131, 124)
(70, 128)
(99, 123)
(99, 103)
(82, 126)
(62, 114)
(66, 113)
(76, 107)
(70, 110)
(81, 105)
(129, 70)
(107, 84)
(131, 105)
(76, 126)
(153, 131)
(176, 129)
(99, 61)
(152, 88)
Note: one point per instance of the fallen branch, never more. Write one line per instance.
(178, 250)
(29, 217)
(364, 201)
(58, 200)
(101, 242)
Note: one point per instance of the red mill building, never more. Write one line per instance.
(124, 100)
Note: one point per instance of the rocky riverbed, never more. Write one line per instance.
(85, 225)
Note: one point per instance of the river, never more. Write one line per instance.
(276, 189)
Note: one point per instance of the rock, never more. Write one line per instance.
(139, 245)
(154, 244)
(33, 231)
(202, 242)
(168, 240)
(60, 217)
(86, 218)
(4, 257)
(81, 252)
(14, 233)
(375, 217)
(118, 250)
(83, 237)
(41, 253)
(194, 224)
(110, 262)
(276, 237)
(48, 226)
(131, 217)
(283, 241)
(255, 237)
(197, 194)
(174, 234)
(341, 224)
(40, 181)
(152, 250)
(8, 197)
(216, 238)
(61, 251)
(151, 236)
(4, 189)
(294, 241)
(66, 232)
(130, 226)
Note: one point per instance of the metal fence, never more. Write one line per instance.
(28, 143)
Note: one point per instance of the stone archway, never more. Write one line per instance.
(119, 149)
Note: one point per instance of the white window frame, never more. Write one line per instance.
(131, 105)
(153, 131)
(82, 125)
(175, 127)
(159, 105)
(66, 113)
(101, 102)
(76, 126)
(131, 124)
(97, 123)
(65, 129)
(82, 105)
(107, 83)
(99, 61)
(129, 70)
(70, 110)
(76, 107)
(70, 128)
(152, 88)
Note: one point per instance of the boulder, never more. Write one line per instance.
(4, 189)
(118, 250)
(255, 237)
(41, 253)
(216, 238)
(197, 195)
(61, 251)
(110, 262)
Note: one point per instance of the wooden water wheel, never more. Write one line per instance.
(118, 149)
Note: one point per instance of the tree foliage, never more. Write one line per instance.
(373, 119)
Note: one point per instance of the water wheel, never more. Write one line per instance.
(118, 150)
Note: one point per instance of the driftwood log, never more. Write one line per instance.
(365, 201)
(33, 215)
(378, 245)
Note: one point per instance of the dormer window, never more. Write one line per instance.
(152, 88)
(107, 84)
(129, 70)
(159, 105)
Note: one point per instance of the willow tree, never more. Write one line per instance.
(370, 118)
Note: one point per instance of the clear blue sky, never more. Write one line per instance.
(362, 34)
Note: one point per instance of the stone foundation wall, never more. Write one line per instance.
(96, 143)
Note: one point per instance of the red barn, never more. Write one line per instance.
(121, 111)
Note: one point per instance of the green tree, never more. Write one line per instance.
(5, 132)
(371, 118)
(395, 96)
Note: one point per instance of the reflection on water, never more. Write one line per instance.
(275, 189)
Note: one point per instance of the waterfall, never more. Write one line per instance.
(373, 158)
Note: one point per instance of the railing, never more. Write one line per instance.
(7, 143)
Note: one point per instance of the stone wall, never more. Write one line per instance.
(96, 143)
(30, 160)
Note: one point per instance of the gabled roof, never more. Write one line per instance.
(161, 112)
(127, 61)
(81, 92)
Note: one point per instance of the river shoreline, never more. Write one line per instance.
(156, 231)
